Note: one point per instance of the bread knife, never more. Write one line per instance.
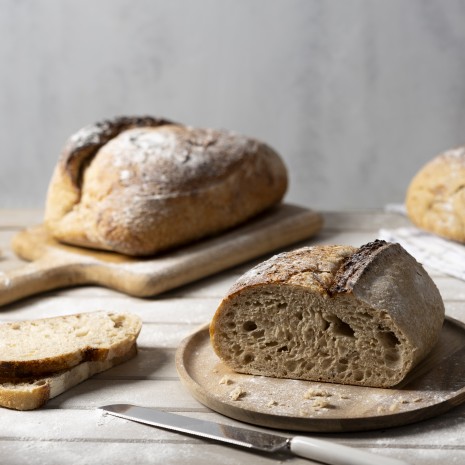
(303, 446)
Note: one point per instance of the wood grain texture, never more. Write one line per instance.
(55, 265)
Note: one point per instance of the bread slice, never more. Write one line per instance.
(338, 314)
(34, 393)
(37, 347)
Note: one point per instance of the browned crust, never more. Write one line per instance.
(43, 367)
(41, 386)
(85, 143)
(207, 180)
(24, 401)
(28, 368)
(333, 269)
(354, 265)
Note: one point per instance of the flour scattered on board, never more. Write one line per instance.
(312, 392)
(226, 380)
(6, 279)
(237, 393)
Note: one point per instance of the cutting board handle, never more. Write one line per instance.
(42, 275)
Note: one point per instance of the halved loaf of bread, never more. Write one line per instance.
(35, 392)
(363, 316)
(37, 347)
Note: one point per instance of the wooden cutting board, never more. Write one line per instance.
(432, 388)
(55, 265)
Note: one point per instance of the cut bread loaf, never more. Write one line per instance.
(35, 392)
(363, 316)
(37, 347)
(435, 198)
(141, 185)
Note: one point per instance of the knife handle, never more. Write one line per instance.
(336, 454)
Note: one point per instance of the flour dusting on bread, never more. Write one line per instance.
(139, 186)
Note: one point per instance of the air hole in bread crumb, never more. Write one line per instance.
(249, 325)
(388, 339)
(248, 358)
(291, 365)
(321, 322)
(341, 328)
(118, 320)
(40, 382)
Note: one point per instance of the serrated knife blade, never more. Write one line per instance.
(303, 446)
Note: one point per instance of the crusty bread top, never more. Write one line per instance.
(133, 193)
(330, 269)
(86, 142)
(35, 347)
(316, 267)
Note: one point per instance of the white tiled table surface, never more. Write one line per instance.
(70, 430)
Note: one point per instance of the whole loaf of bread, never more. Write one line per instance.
(143, 185)
(363, 316)
(435, 198)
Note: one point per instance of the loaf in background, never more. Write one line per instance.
(141, 185)
(435, 198)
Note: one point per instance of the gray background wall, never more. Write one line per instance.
(356, 95)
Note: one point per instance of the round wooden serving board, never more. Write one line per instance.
(433, 387)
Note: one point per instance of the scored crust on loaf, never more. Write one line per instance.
(337, 314)
(140, 190)
(85, 143)
(35, 392)
(435, 198)
(36, 347)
